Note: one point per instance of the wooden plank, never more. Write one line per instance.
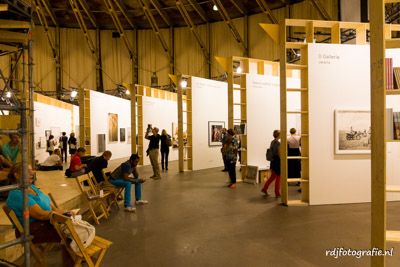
(173, 78)
(378, 147)
(180, 122)
(10, 48)
(393, 236)
(295, 45)
(336, 34)
(14, 24)
(224, 62)
(13, 37)
(132, 89)
(272, 30)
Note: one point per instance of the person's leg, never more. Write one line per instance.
(166, 159)
(78, 173)
(162, 159)
(127, 185)
(232, 172)
(278, 186)
(138, 191)
(268, 182)
(151, 156)
(156, 163)
(65, 155)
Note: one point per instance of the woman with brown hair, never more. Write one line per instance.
(230, 151)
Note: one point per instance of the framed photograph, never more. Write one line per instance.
(101, 143)
(240, 128)
(122, 134)
(47, 134)
(215, 132)
(112, 127)
(352, 132)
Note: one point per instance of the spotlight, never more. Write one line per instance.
(127, 92)
(183, 83)
(239, 69)
(215, 8)
(8, 94)
(74, 93)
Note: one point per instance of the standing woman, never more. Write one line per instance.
(275, 166)
(166, 142)
(51, 143)
(231, 150)
(72, 144)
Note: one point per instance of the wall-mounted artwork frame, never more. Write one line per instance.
(122, 137)
(352, 132)
(215, 132)
(101, 143)
(112, 127)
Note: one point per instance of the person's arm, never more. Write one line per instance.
(147, 135)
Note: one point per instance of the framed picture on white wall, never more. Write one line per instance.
(112, 127)
(215, 132)
(352, 132)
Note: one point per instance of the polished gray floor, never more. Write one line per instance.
(194, 220)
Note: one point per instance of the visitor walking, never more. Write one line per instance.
(72, 143)
(223, 141)
(275, 166)
(166, 142)
(152, 151)
(64, 146)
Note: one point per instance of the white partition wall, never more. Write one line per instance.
(210, 103)
(100, 106)
(339, 79)
(53, 115)
(160, 113)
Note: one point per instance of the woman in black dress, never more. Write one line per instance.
(166, 142)
(72, 144)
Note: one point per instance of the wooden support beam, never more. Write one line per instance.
(321, 9)
(13, 37)
(122, 8)
(265, 8)
(154, 26)
(3, 7)
(14, 24)
(47, 6)
(224, 62)
(272, 30)
(160, 11)
(225, 16)
(239, 6)
(378, 145)
(9, 48)
(88, 12)
(198, 9)
(180, 6)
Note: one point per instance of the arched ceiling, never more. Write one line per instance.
(137, 13)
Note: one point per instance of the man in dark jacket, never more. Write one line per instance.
(98, 164)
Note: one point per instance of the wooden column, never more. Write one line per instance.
(378, 146)
(180, 124)
(132, 90)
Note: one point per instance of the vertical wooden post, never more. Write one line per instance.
(283, 149)
(180, 124)
(378, 148)
(132, 89)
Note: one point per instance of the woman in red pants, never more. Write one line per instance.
(275, 166)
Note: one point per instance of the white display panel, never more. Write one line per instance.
(100, 105)
(161, 113)
(48, 117)
(339, 78)
(210, 103)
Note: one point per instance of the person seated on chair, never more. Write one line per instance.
(5, 179)
(121, 177)
(98, 164)
(40, 210)
(53, 162)
(10, 151)
(76, 167)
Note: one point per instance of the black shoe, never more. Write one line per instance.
(224, 170)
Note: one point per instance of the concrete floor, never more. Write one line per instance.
(193, 220)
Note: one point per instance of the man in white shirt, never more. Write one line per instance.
(53, 162)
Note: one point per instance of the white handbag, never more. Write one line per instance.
(84, 230)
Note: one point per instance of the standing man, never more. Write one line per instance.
(224, 139)
(121, 177)
(98, 164)
(64, 146)
(153, 150)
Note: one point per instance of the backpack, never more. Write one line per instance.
(169, 140)
(269, 155)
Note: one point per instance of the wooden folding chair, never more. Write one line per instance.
(96, 202)
(98, 247)
(109, 191)
(118, 189)
(37, 253)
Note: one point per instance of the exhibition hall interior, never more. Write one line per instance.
(200, 133)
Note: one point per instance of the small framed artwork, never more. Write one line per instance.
(101, 143)
(215, 132)
(240, 128)
(47, 134)
(112, 127)
(352, 132)
(122, 134)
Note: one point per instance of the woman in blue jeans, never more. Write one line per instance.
(121, 177)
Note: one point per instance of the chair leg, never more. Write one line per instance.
(93, 212)
(100, 257)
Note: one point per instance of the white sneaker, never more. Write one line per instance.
(130, 209)
(141, 202)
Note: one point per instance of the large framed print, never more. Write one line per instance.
(352, 132)
(215, 132)
(112, 127)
